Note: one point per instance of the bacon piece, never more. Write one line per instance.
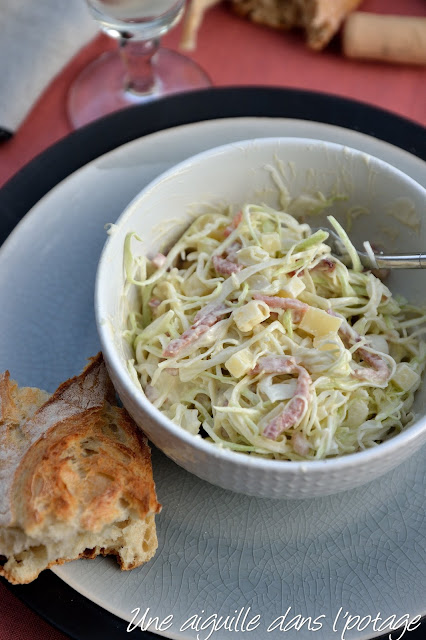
(295, 409)
(225, 266)
(154, 302)
(326, 264)
(275, 302)
(204, 319)
(231, 251)
(233, 224)
(379, 372)
(296, 273)
(158, 260)
(275, 364)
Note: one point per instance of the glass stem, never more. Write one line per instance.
(137, 58)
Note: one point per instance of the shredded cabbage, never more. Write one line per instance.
(254, 336)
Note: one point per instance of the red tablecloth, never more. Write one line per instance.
(233, 52)
(236, 52)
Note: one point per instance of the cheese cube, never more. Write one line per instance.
(250, 315)
(292, 288)
(404, 377)
(217, 234)
(357, 413)
(319, 323)
(248, 256)
(240, 363)
(270, 242)
(329, 342)
(194, 287)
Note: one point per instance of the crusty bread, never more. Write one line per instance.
(75, 477)
(17, 405)
(321, 19)
(280, 14)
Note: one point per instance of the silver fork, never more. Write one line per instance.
(382, 261)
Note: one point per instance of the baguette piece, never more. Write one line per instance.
(75, 477)
(279, 14)
(321, 19)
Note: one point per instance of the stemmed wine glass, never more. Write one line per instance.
(140, 70)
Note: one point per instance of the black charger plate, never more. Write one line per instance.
(49, 596)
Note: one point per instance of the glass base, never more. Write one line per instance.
(100, 88)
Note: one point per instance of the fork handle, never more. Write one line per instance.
(397, 261)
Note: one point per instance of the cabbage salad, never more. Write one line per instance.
(253, 335)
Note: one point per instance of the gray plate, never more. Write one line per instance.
(219, 553)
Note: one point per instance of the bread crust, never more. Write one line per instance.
(326, 20)
(13, 399)
(321, 19)
(81, 481)
(278, 14)
(21, 428)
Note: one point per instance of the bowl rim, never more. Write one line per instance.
(214, 451)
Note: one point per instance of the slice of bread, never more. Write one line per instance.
(75, 477)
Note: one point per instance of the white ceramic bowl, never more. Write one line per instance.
(237, 173)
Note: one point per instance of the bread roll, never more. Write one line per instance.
(75, 477)
(279, 14)
(321, 19)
